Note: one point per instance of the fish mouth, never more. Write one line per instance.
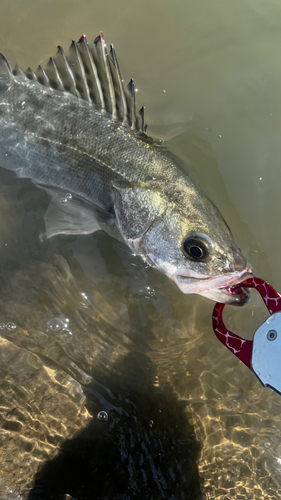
(235, 296)
(224, 288)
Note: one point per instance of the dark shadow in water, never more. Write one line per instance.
(146, 449)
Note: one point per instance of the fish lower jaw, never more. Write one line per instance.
(239, 297)
(218, 288)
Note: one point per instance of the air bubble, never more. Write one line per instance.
(66, 332)
(55, 324)
(11, 326)
(2, 326)
(69, 196)
(102, 416)
(64, 200)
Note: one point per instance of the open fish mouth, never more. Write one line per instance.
(223, 289)
(236, 296)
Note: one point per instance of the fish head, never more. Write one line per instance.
(185, 238)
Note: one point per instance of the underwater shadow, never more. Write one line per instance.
(146, 449)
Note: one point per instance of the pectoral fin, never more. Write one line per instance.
(136, 208)
(70, 214)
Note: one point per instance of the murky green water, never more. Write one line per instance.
(185, 418)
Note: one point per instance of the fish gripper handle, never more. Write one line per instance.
(237, 345)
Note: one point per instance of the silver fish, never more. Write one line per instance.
(73, 130)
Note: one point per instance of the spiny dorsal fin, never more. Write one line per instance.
(140, 120)
(53, 75)
(42, 76)
(65, 73)
(30, 74)
(131, 102)
(5, 72)
(17, 71)
(90, 73)
(78, 70)
(121, 104)
(99, 53)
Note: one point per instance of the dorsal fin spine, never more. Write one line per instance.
(52, 65)
(120, 84)
(132, 98)
(60, 54)
(17, 71)
(108, 76)
(84, 43)
(42, 76)
(75, 49)
(5, 72)
(141, 113)
(30, 74)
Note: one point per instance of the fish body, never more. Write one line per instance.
(73, 130)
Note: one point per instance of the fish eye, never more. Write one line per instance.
(196, 248)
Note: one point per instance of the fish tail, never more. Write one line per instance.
(5, 73)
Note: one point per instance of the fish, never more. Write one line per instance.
(73, 130)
